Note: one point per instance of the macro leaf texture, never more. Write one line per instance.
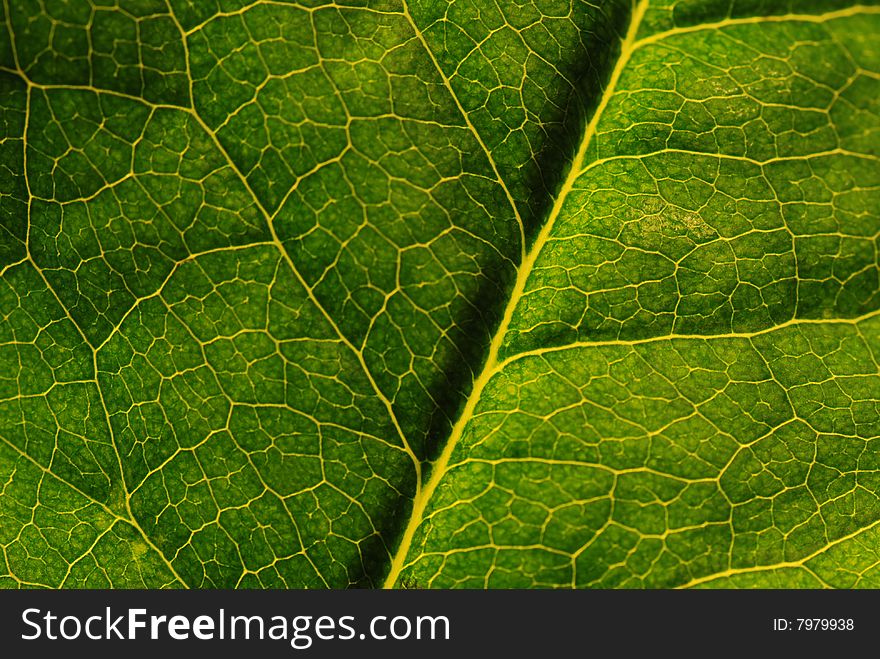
(439, 293)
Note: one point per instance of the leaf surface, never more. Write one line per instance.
(439, 294)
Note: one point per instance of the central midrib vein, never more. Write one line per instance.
(490, 368)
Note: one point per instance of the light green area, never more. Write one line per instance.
(686, 390)
(439, 293)
(743, 192)
(661, 462)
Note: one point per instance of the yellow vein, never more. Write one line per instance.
(112, 513)
(131, 519)
(12, 47)
(186, 57)
(492, 360)
(417, 465)
(800, 563)
(473, 129)
(793, 322)
(855, 10)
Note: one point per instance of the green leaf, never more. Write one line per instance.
(455, 293)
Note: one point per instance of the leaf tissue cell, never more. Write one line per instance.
(454, 293)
